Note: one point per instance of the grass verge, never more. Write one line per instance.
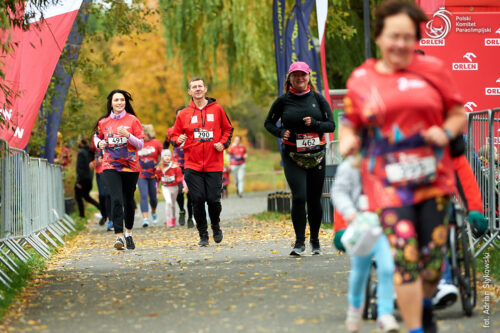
(26, 271)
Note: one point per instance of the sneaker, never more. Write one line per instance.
(119, 244)
(145, 223)
(155, 218)
(298, 249)
(130, 243)
(387, 323)
(182, 217)
(102, 221)
(170, 223)
(190, 223)
(428, 320)
(110, 226)
(203, 240)
(217, 234)
(315, 247)
(445, 296)
(353, 319)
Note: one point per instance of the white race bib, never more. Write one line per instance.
(307, 141)
(119, 140)
(146, 151)
(168, 179)
(203, 135)
(210, 117)
(411, 170)
(194, 119)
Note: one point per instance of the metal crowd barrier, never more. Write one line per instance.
(31, 208)
(482, 153)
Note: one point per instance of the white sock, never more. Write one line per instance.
(128, 234)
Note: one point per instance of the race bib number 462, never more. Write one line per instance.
(307, 141)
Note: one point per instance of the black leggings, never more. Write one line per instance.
(306, 186)
(180, 201)
(205, 187)
(121, 187)
(84, 193)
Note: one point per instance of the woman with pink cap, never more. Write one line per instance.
(305, 116)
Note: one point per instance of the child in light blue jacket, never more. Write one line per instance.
(346, 195)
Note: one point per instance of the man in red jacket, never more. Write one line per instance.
(206, 131)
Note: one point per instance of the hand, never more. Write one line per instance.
(307, 120)
(286, 135)
(185, 190)
(78, 186)
(478, 223)
(435, 135)
(123, 131)
(182, 138)
(102, 144)
(219, 146)
(349, 145)
(92, 165)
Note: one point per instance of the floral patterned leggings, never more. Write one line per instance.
(417, 235)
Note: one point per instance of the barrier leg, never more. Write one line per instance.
(68, 224)
(34, 244)
(44, 234)
(69, 219)
(55, 233)
(17, 250)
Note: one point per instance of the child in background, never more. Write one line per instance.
(169, 174)
(346, 196)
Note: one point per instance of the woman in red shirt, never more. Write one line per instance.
(119, 134)
(401, 112)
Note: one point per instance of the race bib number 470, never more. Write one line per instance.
(307, 141)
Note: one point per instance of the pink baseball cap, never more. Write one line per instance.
(299, 66)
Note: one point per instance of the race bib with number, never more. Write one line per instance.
(201, 134)
(146, 151)
(168, 179)
(307, 142)
(414, 167)
(118, 140)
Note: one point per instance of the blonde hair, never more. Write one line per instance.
(287, 84)
(149, 130)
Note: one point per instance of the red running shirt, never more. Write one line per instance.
(237, 154)
(170, 176)
(391, 110)
(148, 158)
(119, 154)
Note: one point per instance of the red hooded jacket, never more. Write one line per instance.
(203, 128)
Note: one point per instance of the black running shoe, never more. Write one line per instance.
(182, 217)
(203, 240)
(217, 234)
(429, 321)
(102, 221)
(119, 244)
(315, 247)
(190, 223)
(130, 243)
(298, 249)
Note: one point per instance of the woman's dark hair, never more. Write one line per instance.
(109, 107)
(394, 7)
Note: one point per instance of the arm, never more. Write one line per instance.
(177, 130)
(272, 118)
(467, 185)
(227, 129)
(327, 125)
(454, 123)
(349, 141)
(343, 191)
(81, 166)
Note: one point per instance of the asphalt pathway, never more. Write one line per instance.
(248, 283)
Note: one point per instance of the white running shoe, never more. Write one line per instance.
(387, 324)
(353, 319)
(445, 296)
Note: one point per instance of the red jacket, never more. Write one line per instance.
(170, 176)
(203, 128)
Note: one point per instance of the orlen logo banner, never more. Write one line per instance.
(29, 68)
(469, 44)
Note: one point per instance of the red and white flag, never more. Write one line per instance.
(322, 13)
(29, 68)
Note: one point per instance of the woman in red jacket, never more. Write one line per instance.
(119, 134)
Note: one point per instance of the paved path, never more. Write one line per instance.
(248, 283)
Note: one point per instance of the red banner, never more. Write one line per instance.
(469, 43)
(29, 68)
